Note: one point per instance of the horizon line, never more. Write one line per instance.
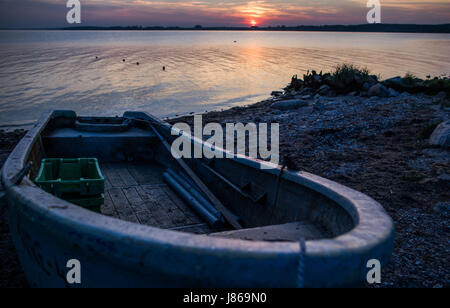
(382, 27)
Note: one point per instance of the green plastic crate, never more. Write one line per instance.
(93, 203)
(72, 179)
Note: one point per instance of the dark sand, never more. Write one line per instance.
(11, 274)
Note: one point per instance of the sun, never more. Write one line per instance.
(253, 22)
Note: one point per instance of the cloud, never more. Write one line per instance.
(51, 13)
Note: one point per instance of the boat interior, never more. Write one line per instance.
(136, 167)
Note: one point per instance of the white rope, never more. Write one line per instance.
(301, 264)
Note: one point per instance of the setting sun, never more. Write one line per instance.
(253, 23)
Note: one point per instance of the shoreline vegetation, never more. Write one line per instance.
(387, 139)
(389, 28)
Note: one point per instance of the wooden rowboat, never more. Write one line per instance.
(316, 234)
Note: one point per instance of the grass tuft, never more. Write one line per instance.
(413, 177)
(410, 79)
(348, 71)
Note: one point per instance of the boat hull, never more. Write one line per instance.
(48, 232)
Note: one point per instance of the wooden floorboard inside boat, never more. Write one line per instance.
(136, 192)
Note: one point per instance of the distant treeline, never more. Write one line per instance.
(406, 28)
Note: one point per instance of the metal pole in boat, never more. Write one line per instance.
(192, 201)
(206, 204)
(216, 202)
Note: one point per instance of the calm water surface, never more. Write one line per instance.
(42, 70)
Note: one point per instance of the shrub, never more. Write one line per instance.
(439, 84)
(346, 71)
(413, 177)
(410, 79)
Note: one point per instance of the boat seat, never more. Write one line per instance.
(74, 133)
(290, 232)
(133, 144)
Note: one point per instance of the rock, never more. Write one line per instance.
(441, 135)
(335, 83)
(442, 209)
(401, 84)
(332, 93)
(439, 98)
(286, 96)
(347, 79)
(378, 90)
(331, 114)
(366, 86)
(295, 84)
(393, 93)
(276, 93)
(319, 106)
(317, 79)
(306, 110)
(405, 95)
(306, 91)
(358, 80)
(289, 104)
(306, 97)
(373, 79)
(324, 90)
(327, 78)
(444, 177)
(395, 82)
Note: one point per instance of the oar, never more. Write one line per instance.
(216, 202)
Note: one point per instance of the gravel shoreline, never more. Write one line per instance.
(378, 146)
(375, 145)
(11, 274)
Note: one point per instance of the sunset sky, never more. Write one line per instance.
(52, 13)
